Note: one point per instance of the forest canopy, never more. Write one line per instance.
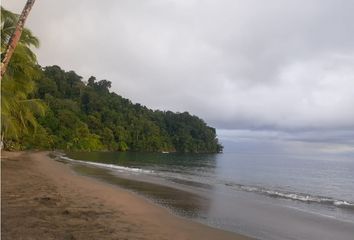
(50, 108)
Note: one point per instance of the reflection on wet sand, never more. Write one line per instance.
(181, 202)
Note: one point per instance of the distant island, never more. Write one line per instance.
(49, 108)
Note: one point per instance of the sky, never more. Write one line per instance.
(274, 70)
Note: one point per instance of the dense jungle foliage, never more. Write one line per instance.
(49, 108)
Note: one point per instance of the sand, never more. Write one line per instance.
(45, 199)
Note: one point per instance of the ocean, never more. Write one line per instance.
(272, 195)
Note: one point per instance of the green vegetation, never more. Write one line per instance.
(18, 109)
(49, 108)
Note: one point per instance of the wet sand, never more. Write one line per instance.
(45, 199)
(244, 212)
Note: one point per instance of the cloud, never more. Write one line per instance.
(280, 65)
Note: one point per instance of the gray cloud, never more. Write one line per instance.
(281, 65)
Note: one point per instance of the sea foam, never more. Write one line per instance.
(105, 165)
(303, 197)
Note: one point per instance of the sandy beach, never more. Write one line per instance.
(45, 199)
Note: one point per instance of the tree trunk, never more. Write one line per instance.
(15, 36)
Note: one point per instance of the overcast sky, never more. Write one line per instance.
(275, 68)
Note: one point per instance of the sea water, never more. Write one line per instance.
(267, 195)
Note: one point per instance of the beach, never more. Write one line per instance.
(273, 197)
(45, 199)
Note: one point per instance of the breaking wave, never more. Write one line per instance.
(293, 196)
(110, 166)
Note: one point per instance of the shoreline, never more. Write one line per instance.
(248, 213)
(45, 199)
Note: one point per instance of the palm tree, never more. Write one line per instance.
(15, 37)
(18, 110)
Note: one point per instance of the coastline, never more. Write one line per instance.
(45, 199)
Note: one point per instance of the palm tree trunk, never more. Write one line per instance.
(15, 36)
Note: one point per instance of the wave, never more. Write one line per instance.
(105, 165)
(303, 197)
(296, 196)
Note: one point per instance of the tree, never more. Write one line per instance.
(83, 117)
(15, 37)
(98, 119)
(18, 110)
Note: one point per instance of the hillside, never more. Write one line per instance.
(49, 108)
(87, 116)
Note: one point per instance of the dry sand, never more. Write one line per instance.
(45, 199)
